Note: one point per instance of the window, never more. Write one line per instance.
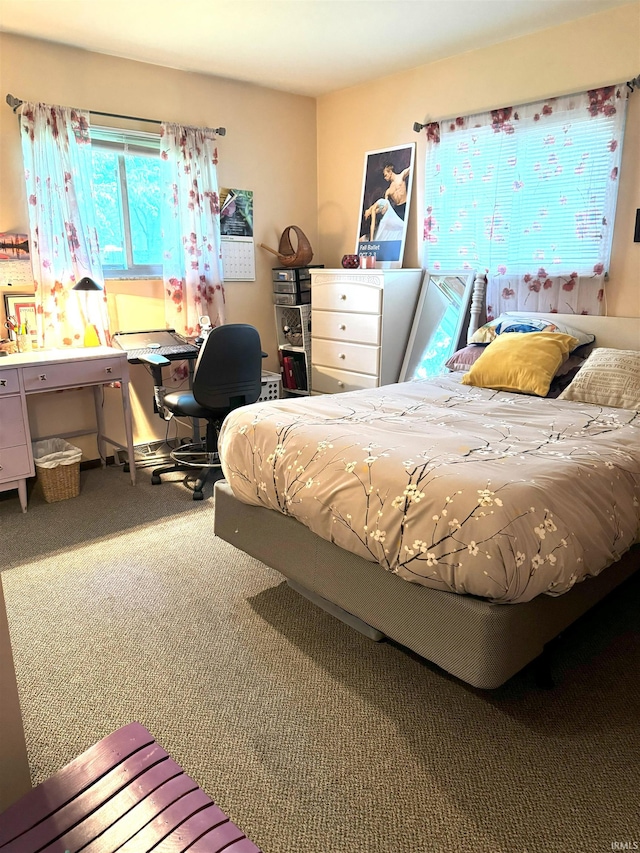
(527, 188)
(126, 187)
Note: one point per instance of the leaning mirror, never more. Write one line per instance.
(440, 324)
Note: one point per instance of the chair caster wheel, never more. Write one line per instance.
(198, 496)
(155, 480)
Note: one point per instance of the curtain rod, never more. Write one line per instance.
(417, 126)
(14, 103)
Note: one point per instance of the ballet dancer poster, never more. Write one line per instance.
(386, 191)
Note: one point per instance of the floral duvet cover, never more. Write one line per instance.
(464, 489)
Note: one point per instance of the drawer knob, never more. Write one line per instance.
(43, 377)
(340, 384)
(341, 355)
(342, 327)
(109, 370)
(343, 296)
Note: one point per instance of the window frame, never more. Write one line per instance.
(123, 142)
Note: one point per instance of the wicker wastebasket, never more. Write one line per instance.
(58, 468)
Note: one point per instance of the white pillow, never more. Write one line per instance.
(507, 322)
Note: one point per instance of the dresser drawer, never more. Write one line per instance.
(346, 356)
(291, 286)
(9, 383)
(326, 380)
(12, 425)
(374, 278)
(301, 275)
(347, 296)
(48, 376)
(15, 463)
(302, 298)
(342, 326)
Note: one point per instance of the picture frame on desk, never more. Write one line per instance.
(22, 307)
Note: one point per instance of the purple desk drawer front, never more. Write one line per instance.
(9, 383)
(49, 376)
(15, 463)
(12, 426)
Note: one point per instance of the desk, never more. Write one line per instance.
(168, 347)
(55, 370)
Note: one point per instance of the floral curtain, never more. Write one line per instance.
(56, 150)
(192, 264)
(529, 194)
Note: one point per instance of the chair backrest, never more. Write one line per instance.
(228, 372)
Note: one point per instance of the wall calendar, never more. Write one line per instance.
(15, 263)
(236, 233)
(16, 273)
(238, 259)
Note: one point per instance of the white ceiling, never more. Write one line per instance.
(309, 47)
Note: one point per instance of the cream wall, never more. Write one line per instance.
(595, 51)
(270, 148)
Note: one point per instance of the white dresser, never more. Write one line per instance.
(360, 324)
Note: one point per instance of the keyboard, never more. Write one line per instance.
(173, 351)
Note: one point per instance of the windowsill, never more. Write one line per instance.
(132, 277)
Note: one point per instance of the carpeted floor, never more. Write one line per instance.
(123, 606)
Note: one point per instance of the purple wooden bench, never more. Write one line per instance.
(124, 793)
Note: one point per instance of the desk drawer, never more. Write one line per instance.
(9, 383)
(12, 426)
(48, 376)
(345, 356)
(342, 326)
(15, 463)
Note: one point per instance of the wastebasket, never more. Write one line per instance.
(58, 468)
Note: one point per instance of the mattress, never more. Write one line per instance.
(462, 489)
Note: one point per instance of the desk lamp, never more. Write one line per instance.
(91, 338)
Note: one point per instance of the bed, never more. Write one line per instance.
(469, 524)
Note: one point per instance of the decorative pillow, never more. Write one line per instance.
(512, 323)
(487, 333)
(609, 377)
(565, 374)
(465, 357)
(571, 365)
(522, 363)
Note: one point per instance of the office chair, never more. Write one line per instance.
(227, 375)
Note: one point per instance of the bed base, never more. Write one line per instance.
(481, 643)
(543, 664)
(348, 618)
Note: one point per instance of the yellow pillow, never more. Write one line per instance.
(521, 362)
